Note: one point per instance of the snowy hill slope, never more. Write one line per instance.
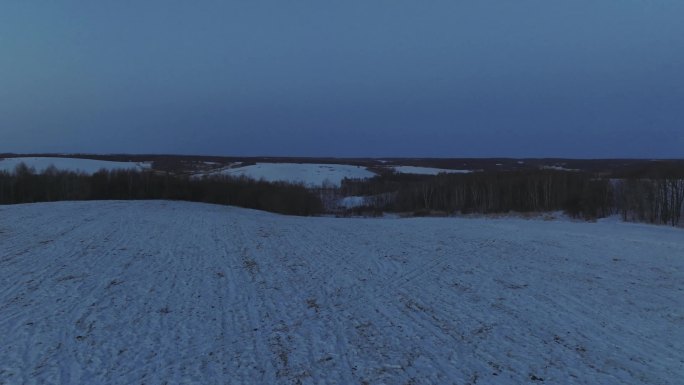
(427, 170)
(172, 292)
(88, 166)
(306, 173)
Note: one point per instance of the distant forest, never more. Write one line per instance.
(24, 185)
(655, 197)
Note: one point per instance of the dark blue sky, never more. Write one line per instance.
(528, 78)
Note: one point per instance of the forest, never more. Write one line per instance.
(653, 197)
(24, 185)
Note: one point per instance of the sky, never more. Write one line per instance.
(370, 78)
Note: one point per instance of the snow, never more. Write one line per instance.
(88, 166)
(559, 168)
(427, 170)
(309, 174)
(352, 201)
(172, 292)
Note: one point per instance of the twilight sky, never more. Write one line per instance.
(454, 78)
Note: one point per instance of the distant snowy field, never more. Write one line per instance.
(353, 201)
(427, 170)
(184, 293)
(308, 174)
(88, 166)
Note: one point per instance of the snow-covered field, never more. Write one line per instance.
(185, 293)
(351, 202)
(427, 170)
(559, 168)
(307, 173)
(88, 166)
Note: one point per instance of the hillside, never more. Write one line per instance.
(88, 166)
(172, 292)
(309, 174)
(188, 163)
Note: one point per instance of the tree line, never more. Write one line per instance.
(653, 198)
(491, 192)
(658, 198)
(24, 185)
